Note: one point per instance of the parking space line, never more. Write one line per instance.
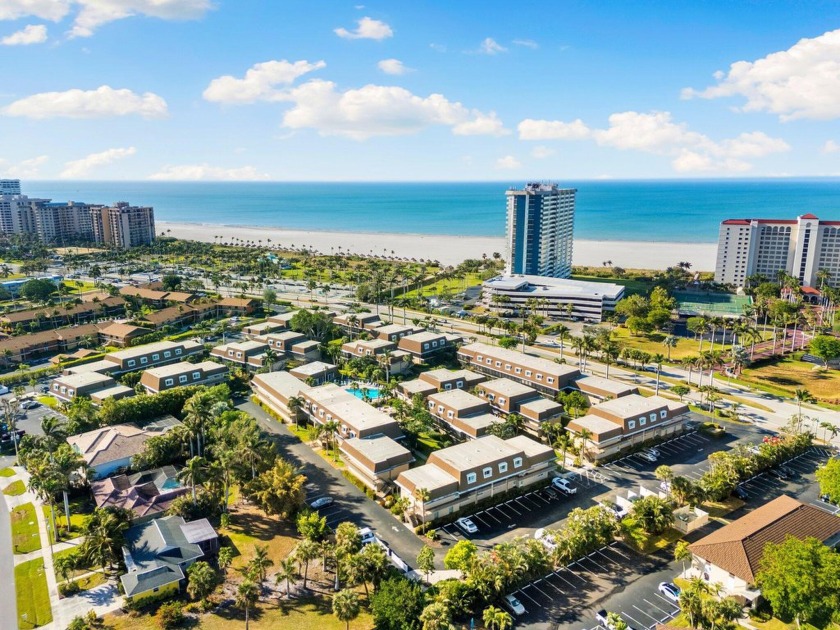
(600, 566)
(606, 557)
(556, 588)
(636, 621)
(522, 593)
(540, 497)
(580, 566)
(655, 606)
(526, 497)
(480, 520)
(646, 614)
(613, 549)
(487, 513)
(512, 509)
(500, 508)
(557, 573)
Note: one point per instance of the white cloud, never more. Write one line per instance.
(368, 28)
(491, 47)
(205, 172)
(375, 110)
(541, 152)
(94, 13)
(656, 132)
(80, 168)
(392, 66)
(438, 47)
(800, 82)
(530, 129)
(102, 102)
(25, 169)
(52, 10)
(527, 43)
(508, 163)
(30, 34)
(830, 146)
(259, 82)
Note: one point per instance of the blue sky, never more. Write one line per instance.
(469, 90)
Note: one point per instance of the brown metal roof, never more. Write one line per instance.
(739, 546)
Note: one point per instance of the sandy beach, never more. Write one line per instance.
(450, 250)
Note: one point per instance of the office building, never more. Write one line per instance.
(552, 297)
(800, 247)
(540, 229)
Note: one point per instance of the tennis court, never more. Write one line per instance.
(715, 304)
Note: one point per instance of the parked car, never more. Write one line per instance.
(654, 451)
(740, 493)
(515, 605)
(551, 492)
(7, 437)
(29, 404)
(826, 499)
(467, 525)
(601, 618)
(562, 484)
(4, 390)
(322, 502)
(790, 472)
(620, 512)
(44, 389)
(367, 535)
(669, 591)
(647, 455)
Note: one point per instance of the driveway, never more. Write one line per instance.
(351, 504)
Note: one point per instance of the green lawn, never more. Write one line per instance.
(80, 509)
(652, 344)
(25, 535)
(48, 401)
(7, 472)
(14, 489)
(33, 598)
(785, 376)
(453, 285)
(75, 573)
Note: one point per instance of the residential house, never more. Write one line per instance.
(23, 348)
(356, 323)
(460, 476)
(147, 494)
(247, 354)
(732, 554)
(156, 298)
(252, 331)
(106, 450)
(510, 397)
(282, 320)
(461, 413)
(392, 332)
(158, 553)
(376, 461)
(181, 316)
(545, 376)
(620, 423)
(183, 373)
(120, 334)
(292, 345)
(64, 315)
(151, 355)
(599, 388)
(422, 346)
(331, 403)
(276, 389)
(316, 373)
(384, 352)
(98, 387)
(238, 306)
(439, 380)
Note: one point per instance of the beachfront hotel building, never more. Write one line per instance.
(800, 247)
(118, 226)
(540, 229)
(552, 297)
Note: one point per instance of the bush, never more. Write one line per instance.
(170, 615)
(145, 408)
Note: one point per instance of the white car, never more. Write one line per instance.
(29, 404)
(620, 512)
(563, 485)
(670, 591)
(467, 525)
(515, 605)
(322, 502)
(367, 535)
(648, 456)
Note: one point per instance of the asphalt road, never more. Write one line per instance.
(351, 504)
(31, 424)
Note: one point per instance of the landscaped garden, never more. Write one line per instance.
(14, 489)
(33, 597)
(784, 376)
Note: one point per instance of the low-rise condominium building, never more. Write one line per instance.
(160, 379)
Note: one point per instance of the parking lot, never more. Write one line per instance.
(568, 595)
(31, 423)
(672, 450)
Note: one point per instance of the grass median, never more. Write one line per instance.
(33, 597)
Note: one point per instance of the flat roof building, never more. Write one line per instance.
(543, 375)
(461, 413)
(355, 418)
(183, 373)
(376, 461)
(276, 389)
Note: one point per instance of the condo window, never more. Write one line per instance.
(498, 364)
(447, 386)
(487, 472)
(501, 401)
(489, 361)
(238, 355)
(631, 424)
(130, 363)
(507, 367)
(196, 376)
(168, 382)
(642, 421)
(166, 354)
(470, 477)
(517, 370)
(450, 414)
(539, 377)
(503, 467)
(653, 417)
(177, 350)
(182, 378)
(440, 408)
(434, 344)
(517, 462)
(663, 414)
(155, 357)
(70, 392)
(460, 385)
(527, 372)
(425, 346)
(431, 404)
(550, 379)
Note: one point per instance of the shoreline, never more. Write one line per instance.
(450, 249)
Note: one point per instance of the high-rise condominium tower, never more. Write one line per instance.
(540, 230)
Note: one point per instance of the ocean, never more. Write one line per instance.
(668, 210)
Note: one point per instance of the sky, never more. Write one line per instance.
(415, 90)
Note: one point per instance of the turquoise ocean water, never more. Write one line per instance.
(685, 211)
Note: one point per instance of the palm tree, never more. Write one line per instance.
(669, 342)
(45, 482)
(422, 495)
(69, 466)
(295, 404)
(198, 411)
(330, 428)
(247, 595)
(54, 432)
(802, 395)
(258, 565)
(304, 553)
(657, 360)
(345, 606)
(496, 618)
(287, 571)
(194, 474)
(584, 435)
(562, 334)
(682, 553)
(269, 359)
(564, 441)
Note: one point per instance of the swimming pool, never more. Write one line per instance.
(372, 392)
